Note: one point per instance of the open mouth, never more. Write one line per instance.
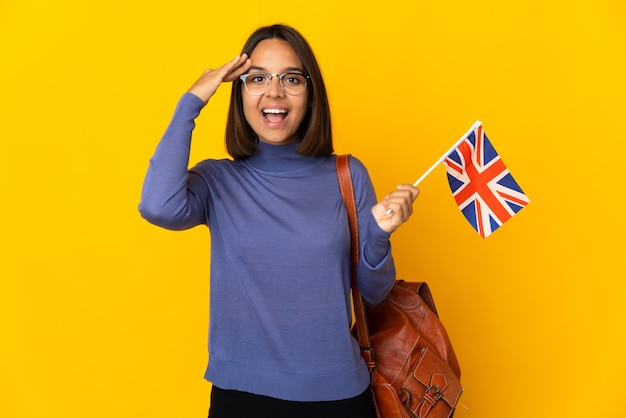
(275, 115)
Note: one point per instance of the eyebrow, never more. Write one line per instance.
(285, 70)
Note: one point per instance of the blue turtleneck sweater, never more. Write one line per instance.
(280, 310)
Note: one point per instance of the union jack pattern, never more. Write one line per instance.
(482, 186)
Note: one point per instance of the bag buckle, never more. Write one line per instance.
(428, 401)
(434, 393)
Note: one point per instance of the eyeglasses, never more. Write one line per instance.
(258, 83)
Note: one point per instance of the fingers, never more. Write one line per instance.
(233, 69)
(396, 208)
(208, 83)
(412, 189)
(401, 200)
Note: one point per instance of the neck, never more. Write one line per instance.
(280, 158)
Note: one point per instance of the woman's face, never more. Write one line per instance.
(275, 116)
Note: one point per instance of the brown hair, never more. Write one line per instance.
(315, 130)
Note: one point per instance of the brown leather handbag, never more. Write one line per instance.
(414, 371)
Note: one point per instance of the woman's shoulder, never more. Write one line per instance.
(356, 162)
(358, 169)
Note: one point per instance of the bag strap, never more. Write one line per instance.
(347, 194)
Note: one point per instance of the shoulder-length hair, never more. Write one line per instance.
(315, 130)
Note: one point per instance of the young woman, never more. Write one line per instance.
(280, 315)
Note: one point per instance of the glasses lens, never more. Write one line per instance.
(294, 83)
(257, 83)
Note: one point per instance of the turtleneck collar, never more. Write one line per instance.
(278, 159)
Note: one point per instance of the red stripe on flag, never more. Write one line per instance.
(454, 165)
(480, 160)
(479, 184)
(479, 220)
(513, 199)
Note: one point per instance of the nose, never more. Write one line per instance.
(275, 90)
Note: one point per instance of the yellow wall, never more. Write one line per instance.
(103, 315)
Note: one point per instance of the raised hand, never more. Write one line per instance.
(208, 83)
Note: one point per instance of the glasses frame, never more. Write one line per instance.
(244, 77)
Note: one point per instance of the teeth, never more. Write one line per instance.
(274, 111)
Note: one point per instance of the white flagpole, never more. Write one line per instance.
(452, 148)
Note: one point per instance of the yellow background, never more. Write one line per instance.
(104, 315)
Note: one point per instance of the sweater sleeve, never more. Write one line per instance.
(376, 270)
(172, 197)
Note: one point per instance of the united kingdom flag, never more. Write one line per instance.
(481, 184)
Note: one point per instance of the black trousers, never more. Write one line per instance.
(236, 404)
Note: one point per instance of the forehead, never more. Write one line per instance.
(275, 55)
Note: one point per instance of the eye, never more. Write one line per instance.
(257, 78)
(293, 79)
